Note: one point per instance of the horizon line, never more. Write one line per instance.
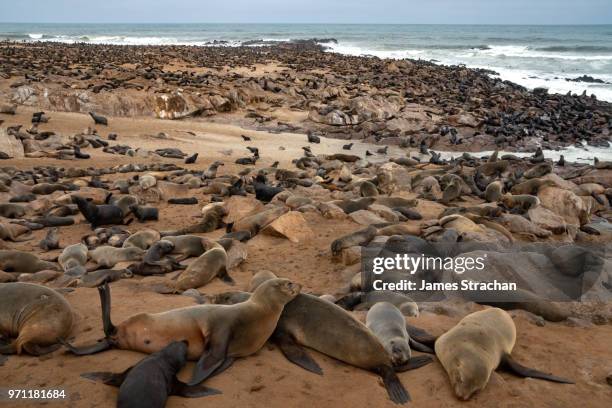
(304, 23)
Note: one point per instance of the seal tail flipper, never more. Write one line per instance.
(192, 391)
(114, 379)
(224, 276)
(295, 353)
(102, 345)
(105, 300)
(414, 363)
(415, 345)
(397, 393)
(421, 335)
(509, 364)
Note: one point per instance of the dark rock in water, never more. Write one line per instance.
(588, 79)
(540, 91)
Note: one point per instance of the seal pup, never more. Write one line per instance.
(188, 246)
(98, 119)
(108, 256)
(35, 316)
(191, 159)
(493, 192)
(361, 237)
(142, 239)
(388, 325)
(479, 344)
(51, 240)
(145, 213)
(217, 334)
(73, 259)
(150, 382)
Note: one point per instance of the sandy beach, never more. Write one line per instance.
(204, 99)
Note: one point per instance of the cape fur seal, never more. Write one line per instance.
(388, 325)
(217, 334)
(204, 269)
(97, 215)
(323, 326)
(73, 259)
(479, 344)
(51, 240)
(24, 262)
(150, 382)
(35, 316)
(108, 256)
(142, 239)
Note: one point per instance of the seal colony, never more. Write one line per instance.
(191, 223)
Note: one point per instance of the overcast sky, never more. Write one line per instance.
(310, 11)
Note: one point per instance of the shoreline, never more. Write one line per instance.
(407, 102)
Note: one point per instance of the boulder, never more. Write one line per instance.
(10, 145)
(239, 207)
(292, 226)
(565, 204)
(393, 177)
(365, 217)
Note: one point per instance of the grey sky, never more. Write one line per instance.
(311, 11)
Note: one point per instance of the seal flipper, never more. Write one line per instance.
(395, 388)
(105, 300)
(102, 345)
(415, 345)
(295, 353)
(414, 363)
(224, 276)
(421, 335)
(226, 364)
(191, 391)
(213, 358)
(114, 379)
(3, 359)
(510, 364)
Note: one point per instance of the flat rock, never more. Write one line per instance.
(292, 226)
(365, 217)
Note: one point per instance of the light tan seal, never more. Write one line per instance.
(34, 316)
(211, 264)
(24, 262)
(216, 334)
(479, 344)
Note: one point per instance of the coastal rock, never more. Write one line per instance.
(548, 220)
(331, 211)
(239, 207)
(392, 177)
(464, 119)
(10, 145)
(175, 106)
(565, 204)
(292, 226)
(365, 217)
(376, 108)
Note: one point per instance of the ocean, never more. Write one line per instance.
(533, 56)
